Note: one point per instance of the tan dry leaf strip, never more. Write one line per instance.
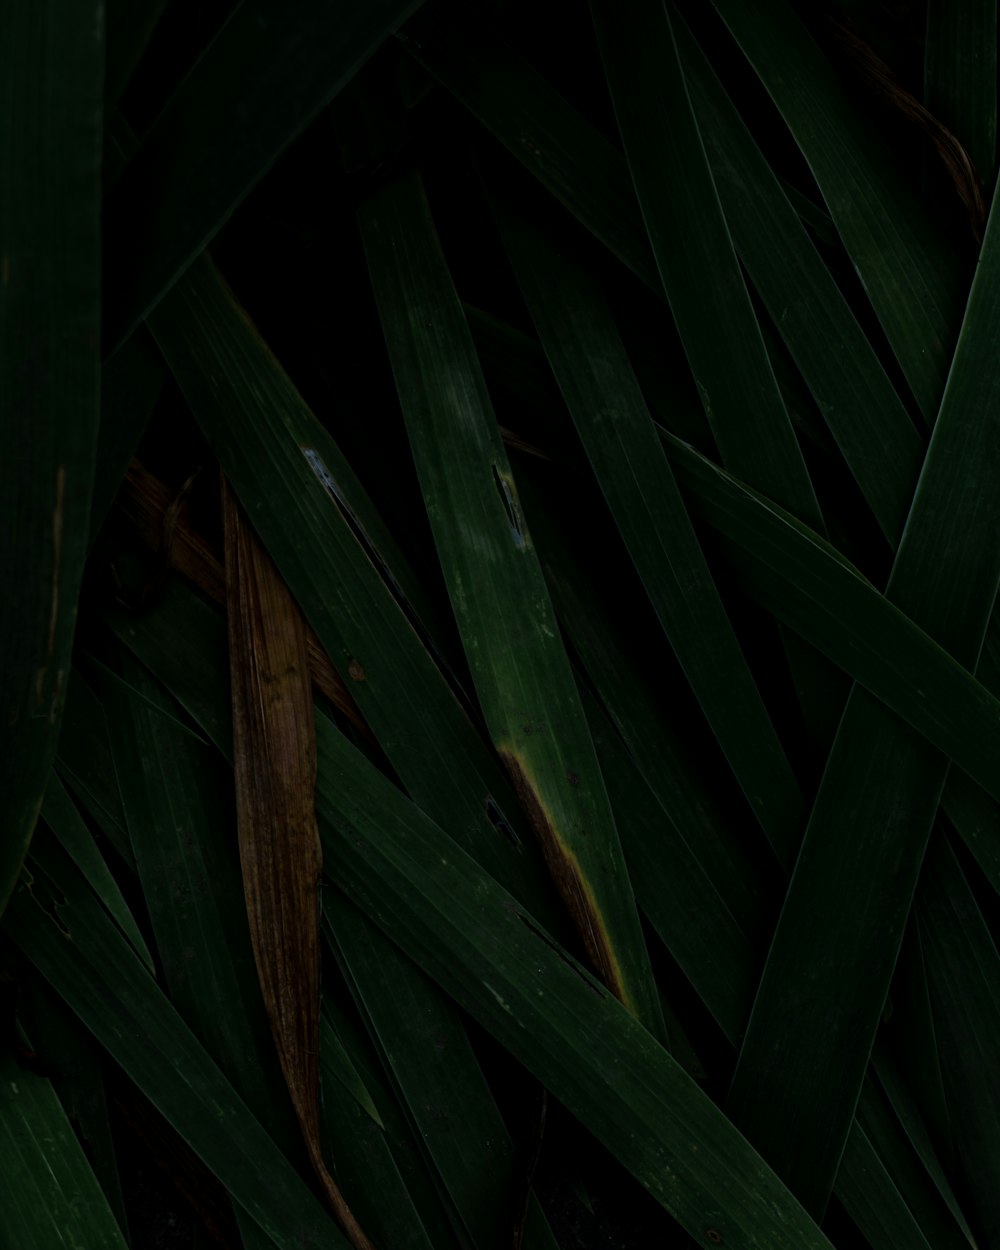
(274, 744)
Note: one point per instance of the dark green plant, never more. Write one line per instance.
(607, 400)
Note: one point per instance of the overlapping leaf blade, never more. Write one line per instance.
(440, 904)
(843, 917)
(366, 1163)
(427, 1050)
(577, 165)
(264, 434)
(52, 1196)
(519, 667)
(807, 584)
(867, 1190)
(62, 929)
(702, 279)
(61, 815)
(909, 271)
(355, 797)
(181, 827)
(632, 469)
(178, 822)
(862, 410)
(421, 888)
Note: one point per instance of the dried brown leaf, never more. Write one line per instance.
(274, 746)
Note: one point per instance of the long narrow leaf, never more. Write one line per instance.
(61, 815)
(695, 256)
(576, 164)
(906, 1107)
(264, 435)
(519, 667)
(130, 26)
(707, 943)
(178, 818)
(426, 1049)
(964, 977)
(601, 392)
(51, 1196)
(274, 749)
(422, 1205)
(364, 1157)
(843, 917)
(486, 972)
(51, 62)
(908, 269)
(863, 412)
(960, 76)
(62, 929)
(814, 590)
(545, 1008)
(928, 1209)
(75, 1068)
(175, 806)
(690, 802)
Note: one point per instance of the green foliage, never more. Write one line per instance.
(614, 387)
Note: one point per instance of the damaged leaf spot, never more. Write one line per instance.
(575, 890)
(356, 671)
(505, 489)
(316, 463)
(714, 1236)
(573, 779)
(502, 1002)
(499, 822)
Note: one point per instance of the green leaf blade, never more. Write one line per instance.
(278, 458)
(843, 917)
(519, 667)
(539, 1003)
(63, 931)
(909, 271)
(51, 65)
(631, 467)
(865, 415)
(963, 976)
(53, 1200)
(695, 255)
(960, 76)
(61, 815)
